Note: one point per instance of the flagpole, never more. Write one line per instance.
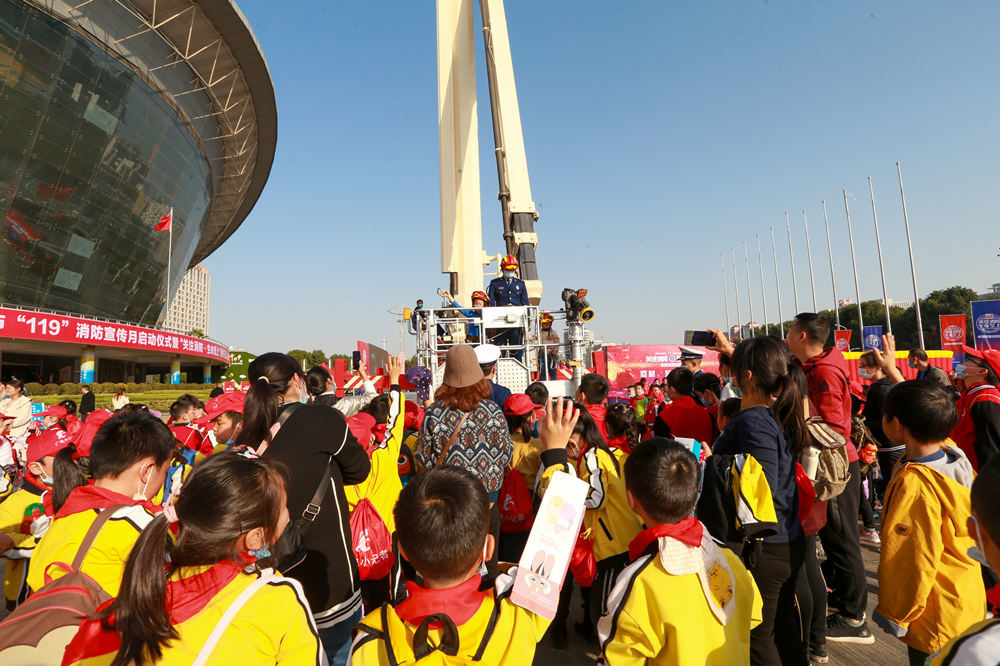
(170, 249)
(725, 291)
(913, 269)
(854, 263)
(763, 291)
(881, 266)
(833, 278)
(736, 290)
(809, 254)
(777, 285)
(746, 262)
(791, 257)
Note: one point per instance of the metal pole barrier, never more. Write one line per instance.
(809, 255)
(833, 278)
(881, 265)
(913, 268)
(854, 263)
(777, 285)
(791, 258)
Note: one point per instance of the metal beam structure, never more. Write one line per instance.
(202, 57)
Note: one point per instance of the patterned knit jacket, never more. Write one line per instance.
(483, 445)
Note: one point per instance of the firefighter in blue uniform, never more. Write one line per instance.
(507, 290)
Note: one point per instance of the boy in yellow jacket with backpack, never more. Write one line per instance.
(929, 588)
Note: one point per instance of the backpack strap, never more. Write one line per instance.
(91, 535)
(315, 503)
(451, 440)
(266, 576)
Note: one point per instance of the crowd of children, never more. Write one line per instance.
(285, 525)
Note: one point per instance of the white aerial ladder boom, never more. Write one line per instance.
(461, 225)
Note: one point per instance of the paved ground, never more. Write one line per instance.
(886, 650)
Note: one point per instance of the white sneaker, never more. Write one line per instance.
(871, 536)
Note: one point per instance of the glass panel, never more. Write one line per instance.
(90, 158)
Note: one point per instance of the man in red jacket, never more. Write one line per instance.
(829, 393)
(683, 417)
(977, 432)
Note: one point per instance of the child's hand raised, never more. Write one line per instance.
(557, 426)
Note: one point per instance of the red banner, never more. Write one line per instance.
(27, 325)
(843, 340)
(953, 333)
(627, 364)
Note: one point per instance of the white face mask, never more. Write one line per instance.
(865, 373)
(508, 274)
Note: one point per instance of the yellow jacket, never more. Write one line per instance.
(611, 521)
(678, 604)
(929, 588)
(978, 645)
(382, 487)
(274, 626)
(13, 511)
(106, 559)
(527, 458)
(498, 632)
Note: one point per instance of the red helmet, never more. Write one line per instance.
(546, 318)
(482, 296)
(508, 263)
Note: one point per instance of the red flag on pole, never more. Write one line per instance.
(843, 340)
(953, 333)
(164, 224)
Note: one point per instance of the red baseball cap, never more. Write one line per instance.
(227, 402)
(85, 437)
(990, 356)
(47, 443)
(518, 404)
(57, 411)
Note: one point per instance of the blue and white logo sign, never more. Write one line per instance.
(872, 338)
(986, 324)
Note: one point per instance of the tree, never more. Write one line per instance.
(196, 333)
(953, 300)
(300, 355)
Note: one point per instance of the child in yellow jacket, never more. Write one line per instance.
(176, 593)
(929, 588)
(683, 599)
(610, 520)
(980, 643)
(442, 525)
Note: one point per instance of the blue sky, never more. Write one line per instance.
(658, 134)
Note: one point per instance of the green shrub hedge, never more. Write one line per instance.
(110, 388)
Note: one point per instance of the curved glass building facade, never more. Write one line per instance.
(94, 150)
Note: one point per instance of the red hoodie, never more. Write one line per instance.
(599, 412)
(829, 391)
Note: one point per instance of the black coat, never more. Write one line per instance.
(87, 404)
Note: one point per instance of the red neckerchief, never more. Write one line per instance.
(459, 602)
(91, 497)
(620, 443)
(185, 599)
(688, 531)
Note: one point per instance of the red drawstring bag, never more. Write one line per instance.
(807, 493)
(583, 564)
(371, 541)
(516, 510)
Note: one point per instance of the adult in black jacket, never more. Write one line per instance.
(86, 402)
(305, 441)
(321, 386)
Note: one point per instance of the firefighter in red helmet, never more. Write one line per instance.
(507, 289)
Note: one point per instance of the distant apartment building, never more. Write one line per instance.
(189, 306)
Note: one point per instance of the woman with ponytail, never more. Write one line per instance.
(175, 590)
(314, 443)
(762, 437)
(623, 427)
